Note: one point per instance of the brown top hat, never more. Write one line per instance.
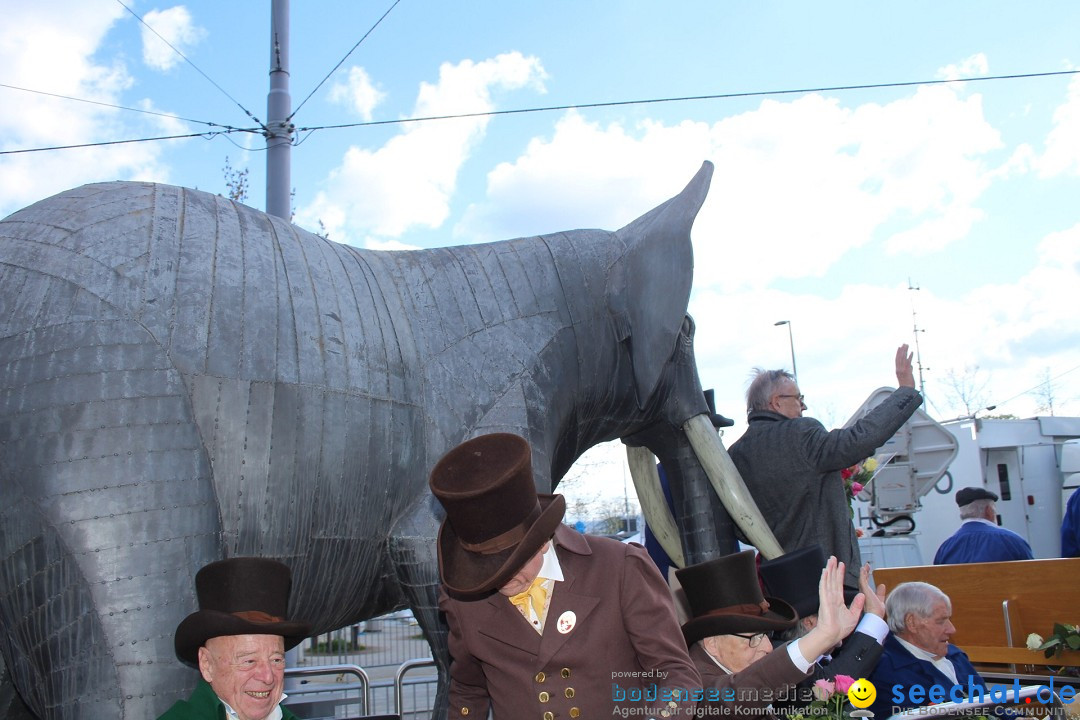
(725, 598)
(239, 596)
(794, 577)
(495, 521)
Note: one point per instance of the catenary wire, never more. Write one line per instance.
(340, 62)
(205, 135)
(520, 111)
(688, 98)
(117, 107)
(197, 68)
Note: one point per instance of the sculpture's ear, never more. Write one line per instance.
(649, 288)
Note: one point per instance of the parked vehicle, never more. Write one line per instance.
(908, 509)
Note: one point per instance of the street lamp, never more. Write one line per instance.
(791, 342)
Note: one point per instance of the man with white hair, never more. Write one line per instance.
(979, 538)
(918, 653)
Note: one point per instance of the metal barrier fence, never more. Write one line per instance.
(384, 650)
(384, 641)
(411, 706)
(322, 692)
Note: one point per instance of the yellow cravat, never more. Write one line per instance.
(536, 595)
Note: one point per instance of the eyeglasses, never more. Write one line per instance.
(800, 398)
(754, 639)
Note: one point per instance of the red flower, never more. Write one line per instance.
(843, 683)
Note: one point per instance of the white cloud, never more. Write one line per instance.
(51, 47)
(808, 180)
(586, 175)
(170, 27)
(409, 181)
(1062, 153)
(972, 66)
(844, 343)
(357, 93)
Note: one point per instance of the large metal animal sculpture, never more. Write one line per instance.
(183, 378)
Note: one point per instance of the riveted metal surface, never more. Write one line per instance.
(183, 378)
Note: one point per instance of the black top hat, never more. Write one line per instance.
(495, 521)
(239, 596)
(968, 495)
(725, 598)
(795, 577)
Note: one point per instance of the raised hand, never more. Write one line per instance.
(835, 619)
(905, 377)
(875, 597)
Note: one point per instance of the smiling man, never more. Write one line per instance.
(918, 657)
(238, 640)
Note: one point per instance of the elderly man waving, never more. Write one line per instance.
(727, 633)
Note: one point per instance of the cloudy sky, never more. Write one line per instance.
(827, 204)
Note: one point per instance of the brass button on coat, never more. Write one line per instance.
(464, 711)
(566, 672)
(549, 715)
(574, 712)
(540, 677)
(544, 697)
(569, 692)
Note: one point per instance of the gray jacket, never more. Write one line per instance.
(792, 468)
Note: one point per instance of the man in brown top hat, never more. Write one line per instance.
(728, 633)
(546, 622)
(238, 640)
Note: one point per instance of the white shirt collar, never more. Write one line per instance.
(551, 569)
(942, 663)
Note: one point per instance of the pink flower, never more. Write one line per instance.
(843, 682)
(824, 689)
(856, 488)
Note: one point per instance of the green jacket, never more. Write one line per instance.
(205, 705)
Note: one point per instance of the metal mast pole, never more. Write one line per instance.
(915, 330)
(791, 343)
(279, 129)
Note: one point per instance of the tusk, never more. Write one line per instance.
(653, 504)
(729, 485)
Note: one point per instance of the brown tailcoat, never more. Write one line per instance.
(624, 628)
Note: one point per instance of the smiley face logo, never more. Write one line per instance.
(862, 693)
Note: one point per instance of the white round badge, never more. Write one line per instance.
(567, 621)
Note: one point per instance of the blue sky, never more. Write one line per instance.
(823, 207)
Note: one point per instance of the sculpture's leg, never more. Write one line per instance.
(11, 705)
(414, 556)
(107, 513)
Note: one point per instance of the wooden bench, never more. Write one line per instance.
(1032, 594)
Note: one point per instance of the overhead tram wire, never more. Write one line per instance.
(521, 111)
(209, 135)
(342, 61)
(119, 107)
(197, 68)
(687, 98)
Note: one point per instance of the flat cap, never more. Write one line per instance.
(967, 495)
